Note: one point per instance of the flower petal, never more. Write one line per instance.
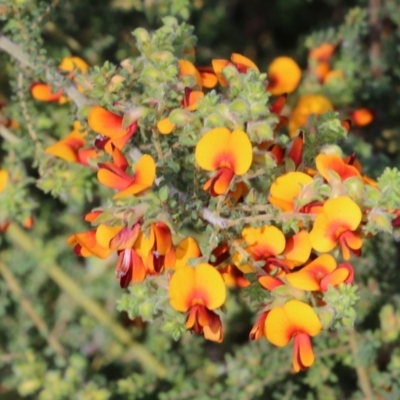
(3, 179)
(284, 76)
(44, 92)
(181, 286)
(298, 248)
(286, 188)
(186, 249)
(302, 317)
(165, 126)
(106, 123)
(209, 281)
(278, 329)
(326, 162)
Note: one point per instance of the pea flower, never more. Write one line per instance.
(308, 104)
(69, 65)
(228, 153)
(284, 76)
(113, 174)
(205, 77)
(71, 148)
(241, 63)
(332, 162)
(109, 126)
(298, 321)
(320, 273)
(337, 225)
(197, 292)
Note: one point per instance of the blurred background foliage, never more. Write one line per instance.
(61, 336)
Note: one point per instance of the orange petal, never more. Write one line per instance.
(287, 188)
(70, 64)
(296, 151)
(208, 77)
(303, 353)
(243, 63)
(362, 116)
(163, 239)
(106, 123)
(88, 242)
(323, 52)
(220, 148)
(298, 248)
(218, 66)
(44, 92)
(326, 162)
(308, 104)
(111, 176)
(165, 126)
(277, 106)
(284, 75)
(270, 282)
(145, 173)
(187, 68)
(3, 179)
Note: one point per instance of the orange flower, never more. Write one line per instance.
(189, 102)
(198, 291)
(130, 267)
(44, 92)
(113, 174)
(337, 224)
(323, 52)
(284, 76)
(71, 147)
(3, 179)
(276, 108)
(108, 124)
(242, 64)
(331, 162)
(86, 245)
(258, 330)
(307, 105)
(362, 116)
(298, 321)
(288, 188)
(229, 153)
(320, 273)
(233, 277)
(263, 244)
(204, 76)
(156, 250)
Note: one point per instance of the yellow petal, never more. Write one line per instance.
(165, 126)
(71, 63)
(302, 317)
(187, 248)
(284, 75)
(210, 281)
(287, 188)
(338, 216)
(3, 179)
(221, 148)
(181, 286)
(105, 233)
(278, 329)
(298, 248)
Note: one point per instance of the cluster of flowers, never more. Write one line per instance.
(295, 268)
